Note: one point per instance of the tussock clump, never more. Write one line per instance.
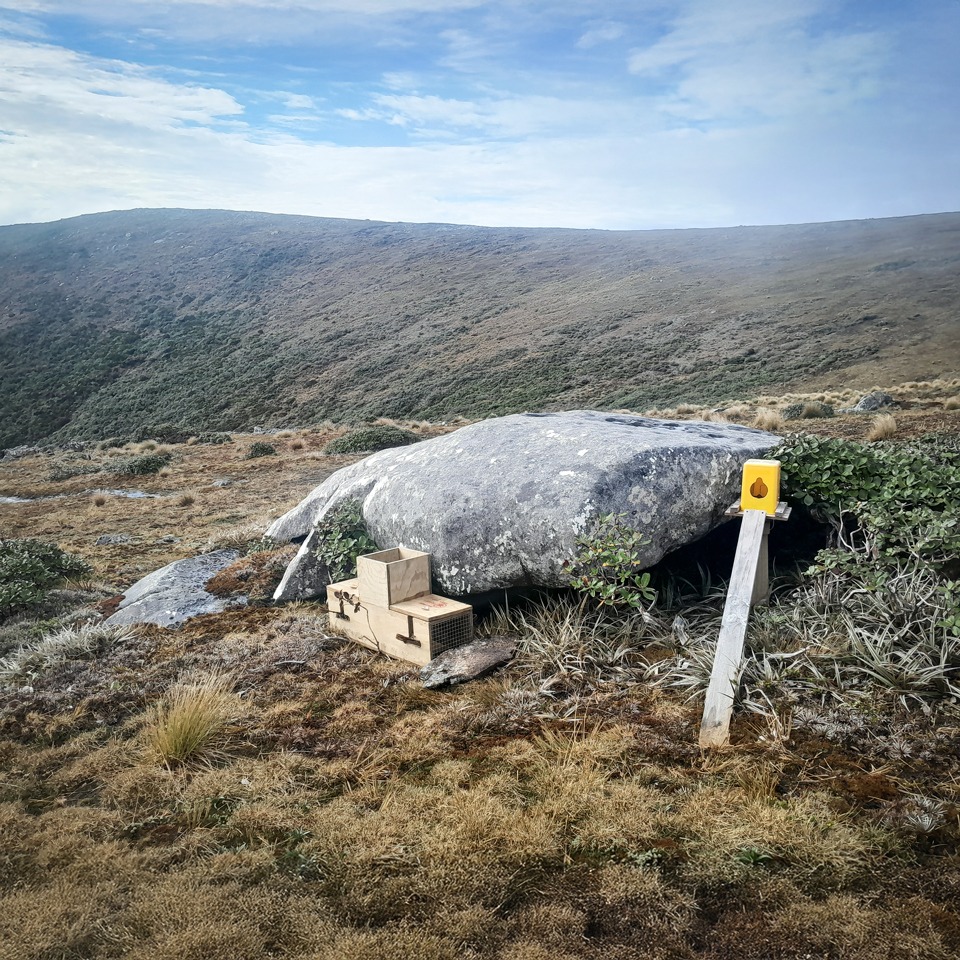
(883, 428)
(68, 643)
(188, 723)
(245, 538)
(565, 646)
(768, 419)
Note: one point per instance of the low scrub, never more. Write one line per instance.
(261, 449)
(29, 569)
(371, 439)
(140, 466)
(342, 536)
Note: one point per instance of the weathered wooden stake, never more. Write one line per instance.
(748, 585)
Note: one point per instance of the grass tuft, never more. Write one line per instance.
(188, 723)
(883, 428)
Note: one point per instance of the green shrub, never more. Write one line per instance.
(261, 449)
(905, 499)
(164, 433)
(607, 566)
(140, 466)
(29, 568)
(342, 536)
(214, 438)
(371, 439)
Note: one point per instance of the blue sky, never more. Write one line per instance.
(619, 115)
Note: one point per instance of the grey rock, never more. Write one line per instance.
(15, 453)
(306, 576)
(875, 400)
(222, 483)
(109, 539)
(501, 503)
(174, 593)
(468, 662)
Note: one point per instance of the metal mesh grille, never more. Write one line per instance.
(450, 633)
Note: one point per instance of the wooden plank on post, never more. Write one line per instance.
(715, 726)
(761, 585)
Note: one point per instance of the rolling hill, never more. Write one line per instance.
(222, 320)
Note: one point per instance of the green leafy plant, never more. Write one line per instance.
(371, 439)
(607, 566)
(905, 500)
(342, 536)
(29, 568)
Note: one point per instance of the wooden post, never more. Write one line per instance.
(715, 726)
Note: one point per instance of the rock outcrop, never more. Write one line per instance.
(875, 400)
(175, 593)
(501, 503)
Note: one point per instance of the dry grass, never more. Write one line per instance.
(768, 419)
(188, 723)
(883, 427)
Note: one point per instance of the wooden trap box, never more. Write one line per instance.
(391, 576)
(388, 607)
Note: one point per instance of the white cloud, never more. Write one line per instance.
(768, 61)
(766, 117)
(599, 33)
(40, 80)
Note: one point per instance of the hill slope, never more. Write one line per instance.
(220, 320)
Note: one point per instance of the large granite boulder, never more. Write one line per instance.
(174, 593)
(500, 503)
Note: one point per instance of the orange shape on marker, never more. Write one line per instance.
(760, 489)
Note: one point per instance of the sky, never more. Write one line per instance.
(570, 113)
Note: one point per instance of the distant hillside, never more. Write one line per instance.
(219, 320)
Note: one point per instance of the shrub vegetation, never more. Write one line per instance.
(371, 439)
(29, 569)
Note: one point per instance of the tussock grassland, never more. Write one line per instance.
(250, 786)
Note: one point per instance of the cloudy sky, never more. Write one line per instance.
(613, 114)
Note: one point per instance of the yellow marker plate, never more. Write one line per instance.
(760, 489)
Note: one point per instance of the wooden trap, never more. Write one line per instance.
(388, 607)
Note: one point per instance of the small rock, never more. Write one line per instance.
(875, 401)
(222, 483)
(306, 576)
(468, 662)
(111, 539)
(169, 538)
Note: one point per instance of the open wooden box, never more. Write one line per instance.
(391, 576)
(388, 607)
